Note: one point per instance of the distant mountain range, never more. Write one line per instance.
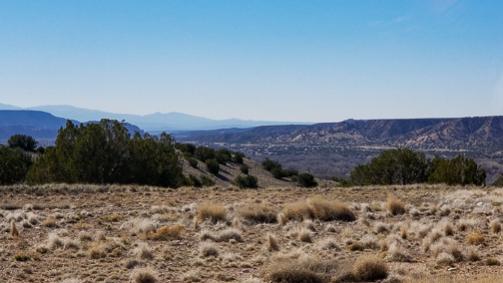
(153, 123)
(41, 125)
(330, 149)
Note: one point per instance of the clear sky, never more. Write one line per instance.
(293, 60)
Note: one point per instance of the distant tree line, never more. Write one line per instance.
(305, 180)
(105, 153)
(405, 166)
(213, 159)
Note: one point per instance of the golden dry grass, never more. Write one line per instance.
(211, 211)
(166, 233)
(317, 207)
(153, 228)
(258, 213)
(475, 238)
(394, 205)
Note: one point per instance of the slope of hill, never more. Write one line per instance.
(330, 149)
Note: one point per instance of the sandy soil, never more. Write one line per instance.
(100, 233)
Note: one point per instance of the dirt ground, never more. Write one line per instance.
(93, 233)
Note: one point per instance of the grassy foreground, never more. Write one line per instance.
(87, 233)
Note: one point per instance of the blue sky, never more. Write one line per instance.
(274, 60)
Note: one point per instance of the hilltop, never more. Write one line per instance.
(329, 149)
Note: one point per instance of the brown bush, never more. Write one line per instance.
(394, 205)
(475, 238)
(307, 270)
(370, 269)
(258, 213)
(166, 233)
(211, 211)
(317, 208)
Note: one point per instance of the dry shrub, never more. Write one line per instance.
(475, 238)
(70, 244)
(97, 250)
(495, 226)
(13, 230)
(394, 205)
(472, 255)
(317, 208)
(447, 246)
(54, 241)
(211, 211)
(492, 262)
(100, 249)
(49, 222)
(166, 233)
(326, 210)
(85, 236)
(272, 243)
(143, 251)
(304, 235)
(296, 211)
(222, 236)
(466, 224)
(369, 269)
(258, 213)
(444, 258)
(208, 250)
(306, 270)
(143, 275)
(141, 225)
(398, 253)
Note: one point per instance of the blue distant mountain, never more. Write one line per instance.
(155, 122)
(41, 125)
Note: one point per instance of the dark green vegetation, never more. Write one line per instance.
(404, 166)
(305, 180)
(105, 153)
(14, 164)
(23, 142)
(246, 181)
(213, 166)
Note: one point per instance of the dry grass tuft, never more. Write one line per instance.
(143, 275)
(49, 222)
(317, 208)
(394, 205)
(258, 213)
(326, 210)
(230, 234)
(308, 270)
(166, 233)
(305, 235)
(208, 250)
(475, 238)
(13, 230)
(211, 211)
(369, 269)
(54, 241)
(143, 251)
(495, 226)
(272, 243)
(492, 262)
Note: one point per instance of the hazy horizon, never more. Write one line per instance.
(300, 61)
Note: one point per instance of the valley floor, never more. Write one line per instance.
(110, 233)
